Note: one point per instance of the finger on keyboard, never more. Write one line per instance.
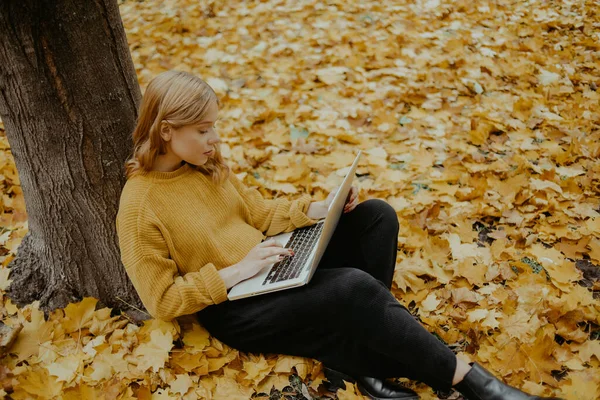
(272, 242)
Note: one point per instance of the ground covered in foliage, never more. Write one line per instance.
(479, 121)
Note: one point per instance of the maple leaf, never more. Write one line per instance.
(37, 382)
(102, 370)
(257, 370)
(350, 392)
(407, 273)
(217, 362)
(461, 251)
(48, 353)
(79, 315)
(594, 252)
(106, 364)
(89, 348)
(187, 362)
(150, 325)
(228, 389)
(155, 353)
(277, 381)
(463, 294)
(540, 359)
(66, 368)
(533, 388)
(285, 363)
(581, 385)
(477, 315)
(34, 333)
(562, 272)
(182, 384)
(430, 303)
(197, 338)
(587, 350)
(86, 392)
(520, 324)
(471, 270)
(508, 358)
(103, 323)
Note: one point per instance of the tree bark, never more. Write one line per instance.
(68, 98)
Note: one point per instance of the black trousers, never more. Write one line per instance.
(346, 317)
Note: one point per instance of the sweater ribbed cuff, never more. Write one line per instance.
(298, 211)
(214, 283)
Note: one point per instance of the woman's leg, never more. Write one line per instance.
(341, 314)
(366, 238)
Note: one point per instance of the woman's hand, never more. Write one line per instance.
(351, 201)
(262, 255)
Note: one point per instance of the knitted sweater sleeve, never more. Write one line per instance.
(274, 216)
(165, 293)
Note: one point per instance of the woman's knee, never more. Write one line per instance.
(385, 210)
(354, 288)
(358, 298)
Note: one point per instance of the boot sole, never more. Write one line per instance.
(365, 392)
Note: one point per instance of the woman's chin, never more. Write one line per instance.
(203, 160)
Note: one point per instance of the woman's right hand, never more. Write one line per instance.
(263, 254)
(260, 256)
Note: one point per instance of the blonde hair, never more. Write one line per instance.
(180, 99)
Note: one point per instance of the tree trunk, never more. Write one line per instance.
(68, 98)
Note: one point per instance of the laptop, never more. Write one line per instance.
(309, 244)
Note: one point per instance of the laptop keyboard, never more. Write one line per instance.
(302, 242)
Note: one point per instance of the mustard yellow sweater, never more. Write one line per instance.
(177, 229)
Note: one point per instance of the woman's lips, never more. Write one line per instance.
(208, 153)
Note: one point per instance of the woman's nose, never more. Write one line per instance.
(214, 140)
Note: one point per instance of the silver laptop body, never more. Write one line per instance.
(307, 256)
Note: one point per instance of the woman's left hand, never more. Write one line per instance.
(351, 201)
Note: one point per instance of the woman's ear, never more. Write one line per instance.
(165, 131)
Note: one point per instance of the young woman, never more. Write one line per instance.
(189, 230)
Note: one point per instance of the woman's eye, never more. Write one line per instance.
(205, 130)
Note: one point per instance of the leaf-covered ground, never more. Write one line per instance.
(479, 121)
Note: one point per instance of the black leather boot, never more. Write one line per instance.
(375, 388)
(479, 384)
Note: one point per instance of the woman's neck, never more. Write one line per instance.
(165, 163)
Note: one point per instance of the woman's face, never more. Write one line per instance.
(191, 143)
